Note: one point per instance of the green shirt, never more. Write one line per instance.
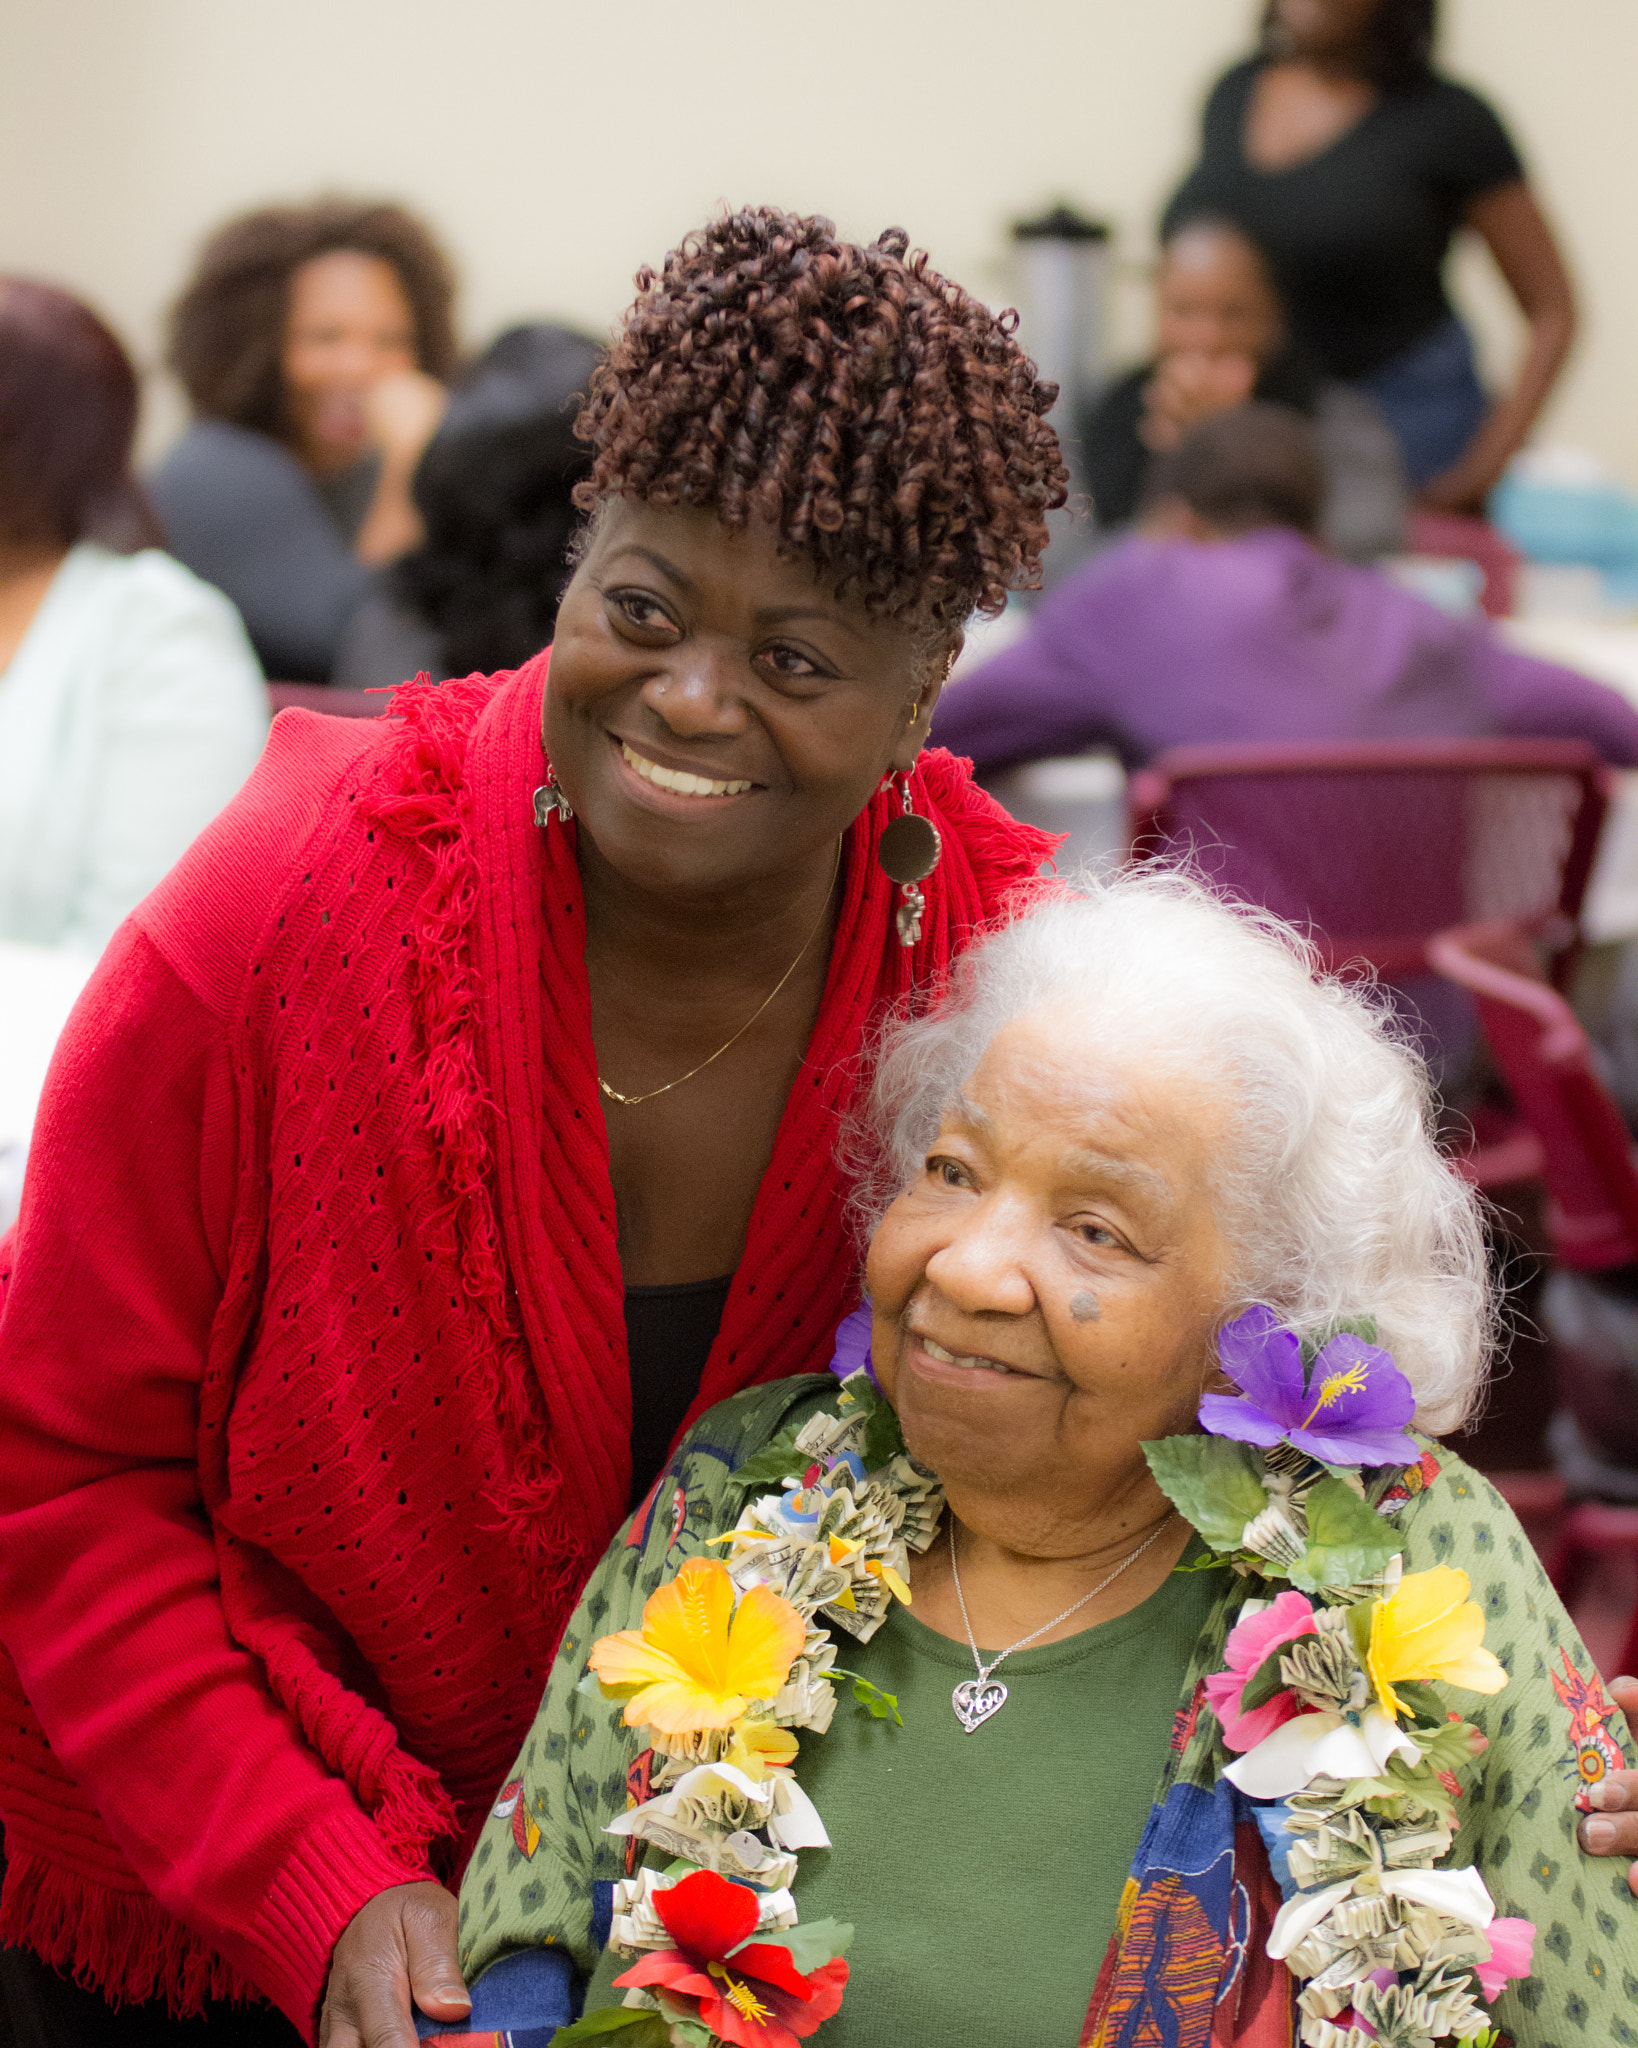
(956, 1947)
(998, 1933)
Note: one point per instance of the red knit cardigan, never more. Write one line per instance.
(314, 1401)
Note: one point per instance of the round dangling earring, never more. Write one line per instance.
(550, 801)
(908, 852)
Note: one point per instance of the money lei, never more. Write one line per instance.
(1383, 1943)
(835, 1541)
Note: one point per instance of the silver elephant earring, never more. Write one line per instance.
(550, 802)
(908, 852)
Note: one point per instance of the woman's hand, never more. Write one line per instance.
(1190, 387)
(1612, 1829)
(1527, 255)
(401, 415)
(1462, 490)
(398, 1947)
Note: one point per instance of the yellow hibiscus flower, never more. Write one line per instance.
(760, 1746)
(699, 1661)
(1429, 1629)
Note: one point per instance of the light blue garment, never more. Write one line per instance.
(1431, 397)
(130, 713)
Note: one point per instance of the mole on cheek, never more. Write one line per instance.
(1085, 1306)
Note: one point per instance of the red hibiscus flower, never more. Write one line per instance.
(753, 1996)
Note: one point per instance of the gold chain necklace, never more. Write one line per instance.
(631, 1101)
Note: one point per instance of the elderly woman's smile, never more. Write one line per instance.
(1060, 1170)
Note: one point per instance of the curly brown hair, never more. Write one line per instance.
(883, 420)
(227, 329)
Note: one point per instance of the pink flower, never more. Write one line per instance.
(1250, 1642)
(1511, 1943)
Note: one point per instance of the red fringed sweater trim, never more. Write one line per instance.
(314, 1401)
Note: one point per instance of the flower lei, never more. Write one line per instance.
(1331, 1700)
(1332, 1692)
(733, 1655)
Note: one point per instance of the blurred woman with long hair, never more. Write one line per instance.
(131, 706)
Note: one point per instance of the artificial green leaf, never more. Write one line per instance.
(1449, 1747)
(1264, 1682)
(778, 1460)
(884, 1440)
(1213, 1482)
(1401, 1785)
(812, 1943)
(1425, 1703)
(1348, 1542)
(1362, 1327)
(879, 1705)
(1359, 1627)
(637, 2026)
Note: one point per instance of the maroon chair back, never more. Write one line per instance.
(1375, 847)
(320, 697)
(1548, 1064)
(1450, 537)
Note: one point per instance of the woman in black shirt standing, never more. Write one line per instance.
(1352, 163)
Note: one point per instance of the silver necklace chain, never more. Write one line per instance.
(976, 1699)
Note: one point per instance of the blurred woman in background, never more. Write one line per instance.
(495, 492)
(1352, 163)
(1220, 339)
(314, 343)
(131, 707)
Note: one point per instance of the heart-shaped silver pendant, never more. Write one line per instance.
(976, 1699)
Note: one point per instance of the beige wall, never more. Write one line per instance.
(556, 146)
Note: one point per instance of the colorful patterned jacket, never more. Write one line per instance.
(1186, 1968)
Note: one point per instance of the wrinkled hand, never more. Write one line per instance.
(401, 415)
(1612, 1828)
(398, 1947)
(1188, 388)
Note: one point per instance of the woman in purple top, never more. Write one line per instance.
(1223, 620)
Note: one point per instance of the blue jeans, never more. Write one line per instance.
(1431, 397)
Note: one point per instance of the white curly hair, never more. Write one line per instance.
(1335, 1197)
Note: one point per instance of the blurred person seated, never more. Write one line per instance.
(315, 344)
(1354, 163)
(1221, 338)
(131, 706)
(1224, 620)
(480, 593)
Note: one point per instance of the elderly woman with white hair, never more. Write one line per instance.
(1106, 1653)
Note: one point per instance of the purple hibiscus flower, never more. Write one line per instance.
(853, 1345)
(1351, 1409)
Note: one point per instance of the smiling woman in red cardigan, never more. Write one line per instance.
(455, 1124)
